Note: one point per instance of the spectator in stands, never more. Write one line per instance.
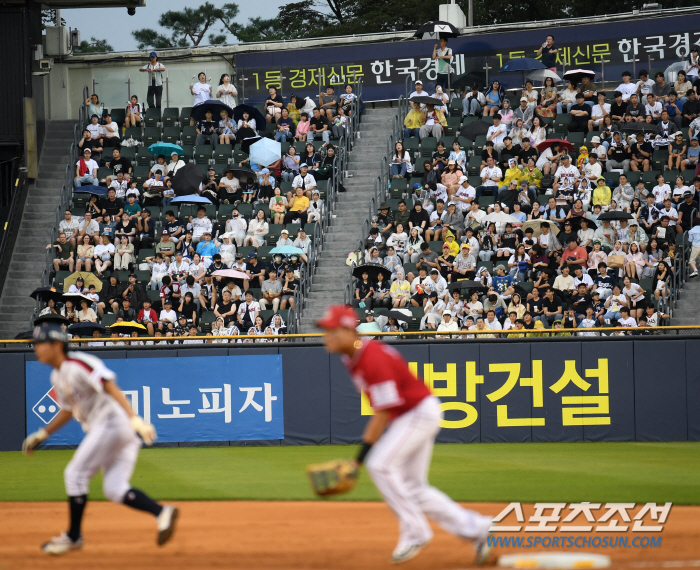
(226, 91)
(496, 133)
(328, 103)
(155, 71)
(64, 253)
(319, 126)
(134, 112)
(691, 160)
(124, 254)
(291, 284)
(103, 254)
(112, 206)
(303, 127)
(619, 156)
(400, 161)
(227, 128)
(258, 228)
(298, 207)
(273, 105)
(247, 126)
(433, 123)
(674, 108)
(201, 90)
(125, 228)
(413, 122)
(94, 144)
(111, 133)
(285, 128)
(86, 169)
(494, 96)
(207, 132)
(70, 226)
(474, 102)
(271, 292)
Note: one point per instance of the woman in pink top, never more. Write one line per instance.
(303, 127)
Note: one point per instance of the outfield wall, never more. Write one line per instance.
(492, 391)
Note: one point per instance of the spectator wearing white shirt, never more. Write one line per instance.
(89, 227)
(497, 133)
(491, 176)
(237, 226)
(248, 311)
(303, 180)
(465, 194)
(95, 128)
(120, 186)
(315, 210)
(598, 112)
(179, 269)
(627, 88)
(565, 174)
(86, 169)
(592, 169)
(644, 85)
(199, 225)
(70, 226)
(155, 71)
(491, 322)
(653, 108)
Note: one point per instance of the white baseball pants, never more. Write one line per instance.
(398, 464)
(112, 446)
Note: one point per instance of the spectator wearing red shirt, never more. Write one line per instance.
(573, 255)
(147, 317)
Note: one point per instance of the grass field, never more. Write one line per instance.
(561, 472)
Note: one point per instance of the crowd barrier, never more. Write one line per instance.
(552, 390)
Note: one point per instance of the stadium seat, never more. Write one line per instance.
(428, 145)
(222, 153)
(118, 116)
(61, 276)
(108, 319)
(189, 134)
(151, 135)
(171, 116)
(185, 113)
(141, 174)
(133, 132)
(143, 157)
(171, 134)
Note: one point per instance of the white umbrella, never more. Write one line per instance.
(501, 217)
(542, 74)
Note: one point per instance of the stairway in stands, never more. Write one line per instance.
(687, 311)
(332, 273)
(38, 218)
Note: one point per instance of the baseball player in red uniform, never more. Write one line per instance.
(398, 440)
(87, 390)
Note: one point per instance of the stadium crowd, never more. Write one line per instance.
(146, 257)
(545, 208)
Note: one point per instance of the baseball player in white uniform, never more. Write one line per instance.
(87, 391)
(398, 440)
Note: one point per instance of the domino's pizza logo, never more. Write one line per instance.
(47, 407)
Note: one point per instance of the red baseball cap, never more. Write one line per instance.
(338, 316)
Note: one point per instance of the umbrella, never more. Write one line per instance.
(501, 217)
(544, 145)
(469, 80)
(46, 293)
(77, 298)
(233, 273)
(288, 250)
(86, 329)
(187, 180)
(576, 223)
(522, 64)
(213, 105)
(127, 327)
(438, 29)
(369, 327)
(26, 335)
(372, 270)
(91, 189)
(542, 74)
(615, 215)
(242, 173)
(248, 142)
(473, 130)
(265, 151)
(399, 314)
(535, 225)
(166, 149)
(575, 75)
(50, 318)
(191, 199)
(88, 279)
(466, 284)
(425, 100)
(640, 127)
(253, 113)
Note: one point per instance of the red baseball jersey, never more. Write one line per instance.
(382, 373)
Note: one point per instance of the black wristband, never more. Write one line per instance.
(364, 450)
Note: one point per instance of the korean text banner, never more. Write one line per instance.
(649, 42)
(216, 398)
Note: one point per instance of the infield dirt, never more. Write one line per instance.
(280, 536)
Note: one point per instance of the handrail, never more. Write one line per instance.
(14, 217)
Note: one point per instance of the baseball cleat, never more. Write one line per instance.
(405, 552)
(483, 550)
(61, 545)
(166, 524)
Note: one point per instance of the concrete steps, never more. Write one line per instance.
(27, 262)
(687, 311)
(332, 273)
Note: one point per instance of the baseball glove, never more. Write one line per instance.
(333, 477)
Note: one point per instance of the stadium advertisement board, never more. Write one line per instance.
(182, 397)
(653, 41)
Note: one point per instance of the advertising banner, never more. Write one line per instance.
(188, 399)
(650, 42)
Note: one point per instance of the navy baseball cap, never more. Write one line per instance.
(50, 333)
(153, 54)
(252, 254)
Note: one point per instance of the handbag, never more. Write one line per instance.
(616, 261)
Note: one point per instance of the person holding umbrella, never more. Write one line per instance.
(86, 314)
(413, 122)
(207, 131)
(442, 55)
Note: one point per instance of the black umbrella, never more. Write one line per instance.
(425, 100)
(50, 318)
(575, 75)
(372, 271)
(88, 329)
(398, 315)
(469, 80)
(26, 335)
(242, 173)
(213, 105)
(436, 27)
(187, 180)
(576, 223)
(473, 130)
(616, 215)
(466, 284)
(246, 143)
(639, 127)
(253, 113)
(46, 293)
